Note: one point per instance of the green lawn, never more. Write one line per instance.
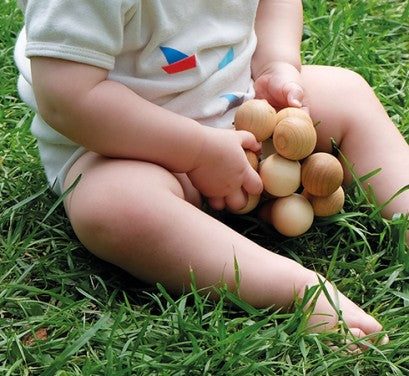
(92, 319)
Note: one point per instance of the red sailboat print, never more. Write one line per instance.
(177, 60)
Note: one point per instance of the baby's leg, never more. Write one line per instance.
(349, 111)
(135, 215)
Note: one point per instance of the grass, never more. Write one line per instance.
(63, 312)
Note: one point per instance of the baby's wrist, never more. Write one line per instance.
(273, 66)
(200, 149)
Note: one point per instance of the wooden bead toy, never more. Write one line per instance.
(321, 174)
(280, 176)
(328, 205)
(288, 138)
(252, 158)
(292, 215)
(294, 138)
(256, 116)
(292, 112)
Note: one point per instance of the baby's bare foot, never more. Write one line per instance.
(327, 307)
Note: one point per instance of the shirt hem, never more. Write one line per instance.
(77, 54)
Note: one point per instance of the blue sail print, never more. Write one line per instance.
(233, 99)
(228, 58)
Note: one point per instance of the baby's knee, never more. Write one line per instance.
(350, 82)
(105, 215)
(108, 219)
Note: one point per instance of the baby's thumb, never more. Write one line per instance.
(294, 94)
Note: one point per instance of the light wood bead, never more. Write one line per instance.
(256, 116)
(294, 138)
(292, 112)
(280, 176)
(328, 205)
(252, 158)
(292, 215)
(321, 174)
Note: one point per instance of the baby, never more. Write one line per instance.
(138, 96)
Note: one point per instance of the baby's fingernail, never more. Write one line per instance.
(296, 102)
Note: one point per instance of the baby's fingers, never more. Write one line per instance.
(217, 203)
(248, 141)
(252, 184)
(236, 200)
(294, 94)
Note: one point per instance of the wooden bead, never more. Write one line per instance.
(321, 174)
(256, 116)
(328, 205)
(292, 112)
(280, 176)
(292, 215)
(294, 138)
(252, 158)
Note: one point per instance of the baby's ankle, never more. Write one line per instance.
(320, 301)
(308, 281)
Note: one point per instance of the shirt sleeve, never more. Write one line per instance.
(84, 31)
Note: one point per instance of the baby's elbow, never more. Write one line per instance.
(50, 94)
(59, 87)
(51, 110)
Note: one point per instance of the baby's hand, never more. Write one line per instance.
(280, 84)
(222, 172)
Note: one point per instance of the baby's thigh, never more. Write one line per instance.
(113, 193)
(335, 97)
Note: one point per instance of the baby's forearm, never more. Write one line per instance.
(122, 124)
(110, 119)
(279, 30)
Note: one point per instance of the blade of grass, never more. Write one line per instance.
(75, 346)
